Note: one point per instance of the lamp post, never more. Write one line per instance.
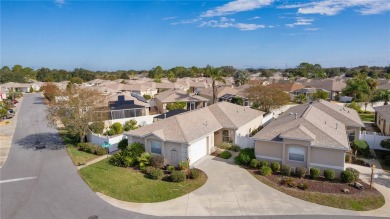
(372, 174)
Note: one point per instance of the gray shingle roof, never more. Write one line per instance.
(384, 111)
(307, 122)
(190, 126)
(179, 95)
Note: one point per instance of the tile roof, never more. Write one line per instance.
(384, 111)
(208, 92)
(327, 84)
(190, 126)
(307, 122)
(287, 87)
(179, 95)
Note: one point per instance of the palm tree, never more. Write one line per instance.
(216, 75)
(241, 77)
(382, 95)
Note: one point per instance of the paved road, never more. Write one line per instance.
(44, 183)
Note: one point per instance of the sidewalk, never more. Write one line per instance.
(7, 131)
(94, 161)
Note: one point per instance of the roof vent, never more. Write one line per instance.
(337, 125)
(296, 115)
(165, 115)
(325, 122)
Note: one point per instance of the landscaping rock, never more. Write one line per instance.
(358, 186)
(345, 191)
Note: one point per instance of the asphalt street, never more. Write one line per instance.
(40, 181)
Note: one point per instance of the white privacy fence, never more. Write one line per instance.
(141, 120)
(374, 139)
(100, 139)
(245, 142)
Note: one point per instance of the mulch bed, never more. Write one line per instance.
(321, 185)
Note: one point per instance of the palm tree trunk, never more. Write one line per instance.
(214, 92)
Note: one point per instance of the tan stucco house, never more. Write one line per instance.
(192, 135)
(382, 118)
(308, 135)
(171, 96)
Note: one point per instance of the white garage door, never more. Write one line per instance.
(198, 150)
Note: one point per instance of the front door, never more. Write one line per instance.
(174, 158)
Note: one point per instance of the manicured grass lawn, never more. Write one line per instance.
(130, 185)
(358, 202)
(78, 157)
(367, 117)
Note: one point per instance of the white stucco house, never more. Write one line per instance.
(194, 134)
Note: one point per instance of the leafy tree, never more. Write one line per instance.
(354, 106)
(216, 75)
(382, 95)
(79, 107)
(300, 98)
(176, 105)
(97, 127)
(267, 98)
(157, 73)
(76, 80)
(50, 91)
(357, 87)
(238, 101)
(241, 77)
(320, 94)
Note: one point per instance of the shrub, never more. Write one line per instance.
(147, 97)
(348, 158)
(387, 160)
(121, 160)
(286, 180)
(157, 161)
(361, 147)
(235, 148)
(265, 171)
(136, 149)
(171, 168)
(355, 172)
(329, 174)
(347, 176)
(303, 186)
(177, 176)
(122, 145)
(91, 148)
(292, 184)
(176, 105)
(225, 155)
(354, 106)
(97, 127)
(143, 160)
(148, 170)
(300, 172)
(385, 143)
(130, 125)
(285, 170)
(275, 166)
(237, 160)
(100, 151)
(194, 174)
(225, 145)
(254, 163)
(314, 173)
(156, 174)
(184, 165)
(263, 163)
(246, 155)
(117, 128)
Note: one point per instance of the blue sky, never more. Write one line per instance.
(114, 35)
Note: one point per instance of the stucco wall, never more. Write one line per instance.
(382, 124)
(324, 158)
(160, 106)
(296, 144)
(169, 155)
(271, 151)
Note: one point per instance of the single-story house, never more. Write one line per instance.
(382, 118)
(304, 136)
(133, 107)
(20, 87)
(224, 93)
(287, 87)
(169, 114)
(309, 92)
(193, 134)
(335, 86)
(171, 96)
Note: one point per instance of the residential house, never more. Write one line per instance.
(194, 134)
(20, 87)
(169, 114)
(382, 118)
(224, 93)
(335, 86)
(308, 135)
(171, 96)
(134, 106)
(287, 87)
(309, 92)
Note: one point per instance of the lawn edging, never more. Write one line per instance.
(341, 201)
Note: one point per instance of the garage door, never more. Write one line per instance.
(198, 150)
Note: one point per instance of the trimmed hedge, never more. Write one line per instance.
(184, 165)
(246, 155)
(263, 163)
(91, 148)
(385, 143)
(355, 172)
(177, 176)
(265, 171)
(329, 174)
(171, 169)
(254, 163)
(347, 176)
(237, 160)
(225, 155)
(300, 172)
(156, 161)
(194, 173)
(314, 173)
(156, 174)
(362, 148)
(275, 166)
(285, 170)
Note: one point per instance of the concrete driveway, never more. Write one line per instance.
(229, 190)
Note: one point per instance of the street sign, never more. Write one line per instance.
(106, 145)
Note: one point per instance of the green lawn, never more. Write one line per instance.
(130, 185)
(367, 117)
(78, 157)
(361, 203)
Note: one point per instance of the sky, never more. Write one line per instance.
(123, 35)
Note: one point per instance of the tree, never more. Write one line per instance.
(238, 101)
(241, 77)
(300, 98)
(76, 80)
(50, 91)
(320, 94)
(382, 95)
(176, 105)
(216, 75)
(78, 107)
(267, 98)
(356, 87)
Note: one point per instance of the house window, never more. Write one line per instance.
(155, 147)
(296, 154)
(227, 136)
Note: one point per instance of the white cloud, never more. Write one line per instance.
(300, 22)
(312, 29)
(236, 6)
(224, 22)
(333, 7)
(190, 21)
(169, 18)
(254, 18)
(59, 2)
